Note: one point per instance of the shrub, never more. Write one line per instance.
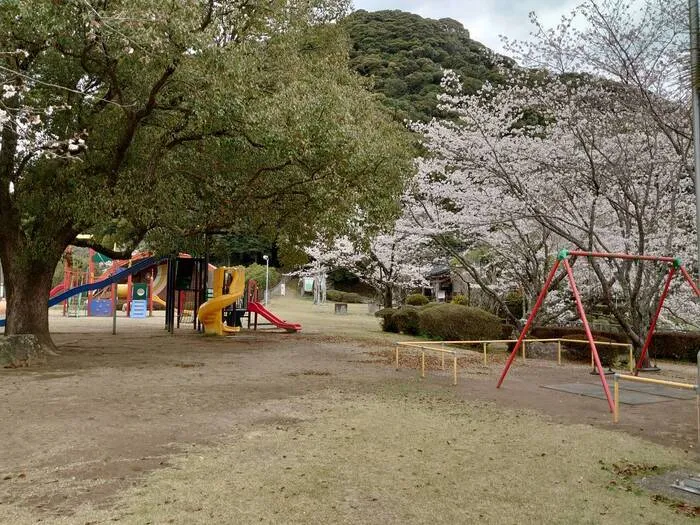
(582, 351)
(416, 299)
(407, 320)
(457, 322)
(675, 345)
(388, 322)
(460, 299)
(514, 302)
(257, 272)
(431, 304)
(664, 344)
(344, 297)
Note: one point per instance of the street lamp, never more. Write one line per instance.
(267, 278)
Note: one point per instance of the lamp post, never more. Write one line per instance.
(267, 278)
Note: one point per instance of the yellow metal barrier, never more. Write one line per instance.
(604, 343)
(649, 380)
(423, 349)
(484, 346)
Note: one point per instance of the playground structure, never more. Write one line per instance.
(182, 279)
(229, 287)
(674, 266)
(141, 288)
(254, 307)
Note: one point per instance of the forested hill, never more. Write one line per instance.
(405, 55)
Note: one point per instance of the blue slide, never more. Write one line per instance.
(121, 274)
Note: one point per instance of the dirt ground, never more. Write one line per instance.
(147, 427)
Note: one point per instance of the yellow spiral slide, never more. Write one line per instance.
(210, 312)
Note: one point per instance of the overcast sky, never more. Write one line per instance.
(485, 19)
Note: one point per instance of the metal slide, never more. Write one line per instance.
(141, 265)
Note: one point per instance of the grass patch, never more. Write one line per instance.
(401, 456)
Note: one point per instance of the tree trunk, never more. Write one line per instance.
(388, 296)
(28, 283)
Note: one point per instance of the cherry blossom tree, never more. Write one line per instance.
(390, 262)
(592, 152)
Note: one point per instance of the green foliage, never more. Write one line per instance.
(257, 272)
(581, 351)
(388, 322)
(460, 299)
(682, 346)
(416, 299)
(344, 297)
(185, 117)
(514, 302)
(405, 55)
(675, 345)
(407, 320)
(455, 322)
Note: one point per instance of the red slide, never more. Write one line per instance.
(258, 308)
(56, 289)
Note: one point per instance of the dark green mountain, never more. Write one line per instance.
(405, 55)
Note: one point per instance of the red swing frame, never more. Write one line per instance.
(675, 266)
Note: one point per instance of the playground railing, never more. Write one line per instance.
(484, 346)
(604, 343)
(652, 381)
(423, 349)
(439, 346)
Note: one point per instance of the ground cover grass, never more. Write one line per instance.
(399, 456)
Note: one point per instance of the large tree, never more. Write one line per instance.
(593, 151)
(143, 119)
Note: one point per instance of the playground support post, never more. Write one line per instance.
(688, 278)
(559, 353)
(629, 256)
(91, 279)
(529, 322)
(587, 329)
(114, 308)
(652, 326)
(129, 289)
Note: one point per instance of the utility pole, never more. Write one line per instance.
(695, 79)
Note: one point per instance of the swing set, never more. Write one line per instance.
(675, 266)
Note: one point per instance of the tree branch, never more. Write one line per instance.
(94, 245)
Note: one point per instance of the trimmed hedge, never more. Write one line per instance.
(675, 345)
(682, 346)
(581, 351)
(460, 299)
(344, 297)
(388, 322)
(457, 322)
(407, 320)
(416, 299)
